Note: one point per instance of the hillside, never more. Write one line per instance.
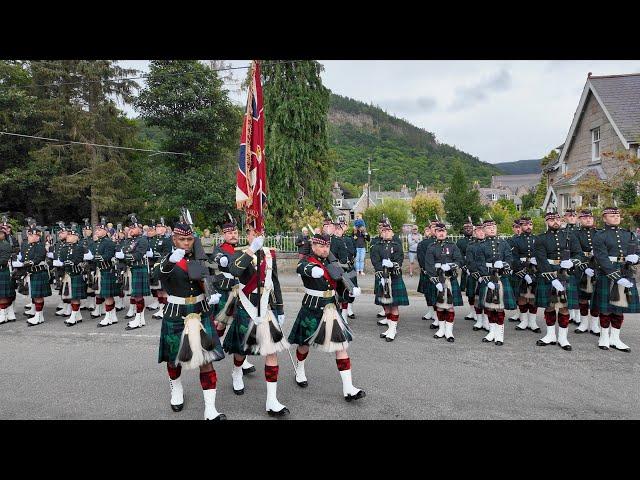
(402, 152)
(521, 167)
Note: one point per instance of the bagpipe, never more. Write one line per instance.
(620, 296)
(385, 279)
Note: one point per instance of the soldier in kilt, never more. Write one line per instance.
(467, 232)
(74, 284)
(153, 257)
(12, 242)
(442, 260)
(525, 272)
(350, 244)
(389, 289)
(256, 328)
(87, 243)
(424, 285)
(377, 239)
(493, 263)
(136, 257)
(319, 323)
(585, 275)
(104, 250)
(556, 285)
(7, 285)
(226, 284)
(472, 287)
(161, 246)
(340, 251)
(571, 226)
(33, 256)
(122, 243)
(199, 347)
(516, 228)
(616, 291)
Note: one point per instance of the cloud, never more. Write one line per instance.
(401, 106)
(467, 97)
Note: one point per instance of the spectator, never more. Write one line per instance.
(303, 242)
(112, 231)
(414, 239)
(207, 242)
(361, 237)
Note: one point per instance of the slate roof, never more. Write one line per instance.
(620, 95)
(577, 176)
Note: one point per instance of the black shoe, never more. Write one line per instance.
(537, 330)
(222, 416)
(486, 341)
(132, 316)
(304, 384)
(119, 309)
(469, 318)
(594, 333)
(603, 348)
(281, 413)
(239, 392)
(387, 339)
(436, 336)
(247, 371)
(579, 331)
(499, 343)
(352, 316)
(382, 335)
(566, 347)
(28, 316)
(132, 328)
(518, 328)
(177, 408)
(380, 316)
(9, 321)
(451, 339)
(475, 329)
(540, 343)
(514, 319)
(381, 324)
(621, 349)
(433, 327)
(357, 396)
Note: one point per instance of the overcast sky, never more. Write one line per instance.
(499, 111)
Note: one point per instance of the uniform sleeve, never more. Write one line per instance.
(240, 264)
(430, 261)
(376, 258)
(398, 255)
(481, 261)
(602, 257)
(540, 253)
(140, 251)
(457, 256)
(276, 300)
(577, 257)
(38, 254)
(507, 254)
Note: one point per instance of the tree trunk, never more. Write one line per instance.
(94, 206)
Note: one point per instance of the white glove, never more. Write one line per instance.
(177, 255)
(17, 264)
(439, 287)
(317, 272)
(387, 263)
(150, 253)
(625, 283)
(528, 279)
(356, 292)
(258, 320)
(281, 320)
(445, 267)
(120, 255)
(480, 279)
(533, 261)
(57, 263)
(50, 254)
(558, 286)
(491, 285)
(566, 264)
(88, 256)
(214, 299)
(223, 262)
(498, 264)
(633, 258)
(257, 244)
(382, 281)
(589, 272)
(19, 257)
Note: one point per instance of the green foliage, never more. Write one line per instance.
(397, 211)
(461, 200)
(626, 194)
(529, 201)
(503, 217)
(425, 207)
(540, 193)
(308, 217)
(509, 205)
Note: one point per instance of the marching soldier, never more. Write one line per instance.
(256, 328)
(557, 252)
(59, 251)
(7, 285)
(571, 225)
(493, 263)
(318, 322)
(424, 284)
(122, 243)
(472, 288)
(389, 288)
(525, 273)
(74, 285)
(516, 228)
(341, 252)
(585, 275)
(104, 250)
(467, 231)
(616, 292)
(187, 309)
(442, 260)
(351, 249)
(87, 244)
(161, 246)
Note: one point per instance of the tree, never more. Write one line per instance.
(425, 207)
(509, 205)
(528, 201)
(503, 216)
(461, 200)
(301, 218)
(397, 211)
(298, 162)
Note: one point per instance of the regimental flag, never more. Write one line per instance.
(251, 188)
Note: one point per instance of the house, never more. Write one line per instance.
(607, 120)
(519, 184)
(347, 208)
(489, 196)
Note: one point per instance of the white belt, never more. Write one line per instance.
(228, 275)
(554, 262)
(524, 259)
(617, 259)
(489, 265)
(185, 301)
(320, 293)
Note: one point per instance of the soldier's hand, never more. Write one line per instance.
(223, 262)
(57, 263)
(528, 279)
(439, 287)
(19, 257)
(88, 256)
(17, 264)
(533, 261)
(177, 255)
(50, 255)
(120, 255)
(589, 272)
(633, 258)
(566, 264)
(317, 272)
(557, 285)
(387, 263)
(491, 286)
(625, 283)
(445, 267)
(150, 253)
(214, 299)
(498, 264)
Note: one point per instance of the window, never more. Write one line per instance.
(494, 197)
(337, 202)
(595, 144)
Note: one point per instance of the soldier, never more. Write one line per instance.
(258, 318)
(525, 273)
(186, 298)
(585, 275)
(135, 254)
(571, 225)
(87, 244)
(557, 252)
(318, 322)
(7, 286)
(616, 292)
(33, 256)
(161, 247)
(226, 284)
(122, 243)
(351, 250)
(74, 285)
(104, 250)
(389, 288)
(493, 263)
(424, 284)
(377, 239)
(481, 320)
(467, 232)
(516, 228)
(344, 256)
(442, 260)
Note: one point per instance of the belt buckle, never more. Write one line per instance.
(190, 300)
(327, 294)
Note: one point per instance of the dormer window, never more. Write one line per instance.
(337, 202)
(595, 144)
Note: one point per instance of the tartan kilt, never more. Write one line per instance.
(398, 291)
(39, 284)
(422, 282)
(7, 285)
(600, 299)
(463, 280)
(471, 286)
(429, 292)
(109, 287)
(509, 299)
(78, 287)
(224, 297)
(140, 282)
(173, 326)
(306, 324)
(234, 340)
(543, 292)
(515, 284)
(456, 293)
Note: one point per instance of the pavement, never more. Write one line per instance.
(82, 372)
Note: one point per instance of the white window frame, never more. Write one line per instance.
(337, 202)
(494, 197)
(595, 144)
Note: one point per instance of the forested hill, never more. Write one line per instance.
(521, 167)
(402, 152)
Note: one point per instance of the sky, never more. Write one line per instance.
(498, 110)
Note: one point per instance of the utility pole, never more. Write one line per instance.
(369, 180)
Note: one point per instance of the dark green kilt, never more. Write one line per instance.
(78, 288)
(456, 293)
(463, 280)
(173, 326)
(543, 292)
(508, 297)
(470, 289)
(234, 338)
(422, 282)
(515, 284)
(7, 285)
(140, 282)
(306, 324)
(398, 291)
(601, 293)
(108, 285)
(429, 292)
(40, 286)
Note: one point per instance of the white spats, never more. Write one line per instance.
(562, 338)
(390, 334)
(584, 324)
(485, 322)
(118, 302)
(440, 332)
(435, 323)
(604, 341)
(137, 322)
(272, 404)
(491, 336)
(550, 337)
(499, 334)
(90, 303)
(177, 394)
(131, 312)
(478, 323)
(615, 342)
(109, 318)
(154, 304)
(430, 313)
(73, 319)
(160, 312)
(448, 331)
(381, 314)
(524, 321)
(60, 306)
(99, 310)
(36, 319)
(3, 315)
(31, 310)
(533, 325)
(142, 322)
(210, 412)
(576, 316)
(83, 304)
(595, 324)
(11, 314)
(238, 382)
(347, 384)
(383, 321)
(246, 365)
(349, 310)
(301, 376)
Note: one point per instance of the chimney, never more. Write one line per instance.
(589, 75)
